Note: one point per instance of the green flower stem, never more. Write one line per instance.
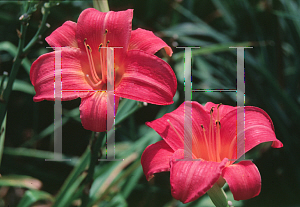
(41, 29)
(101, 5)
(13, 73)
(217, 196)
(60, 199)
(95, 146)
(21, 53)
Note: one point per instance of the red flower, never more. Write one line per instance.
(139, 75)
(213, 145)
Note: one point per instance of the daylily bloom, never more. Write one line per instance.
(139, 74)
(214, 147)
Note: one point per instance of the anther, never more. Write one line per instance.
(100, 47)
(219, 105)
(107, 42)
(218, 122)
(212, 110)
(207, 143)
(84, 40)
(90, 49)
(106, 31)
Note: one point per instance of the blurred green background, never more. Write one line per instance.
(272, 74)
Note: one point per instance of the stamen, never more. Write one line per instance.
(218, 138)
(211, 134)
(92, 83)
(190, 150)
(218, 118)
(207, 147)
(106, 31)
(175, 131)
(102, 61)
(233, 148)
(95, 78)
(107, 42)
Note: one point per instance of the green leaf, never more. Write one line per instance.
(36, 154)
(213, 49)
(21, 181)
(32, 196)
(118, 201)
(125, 109)
(12, 50)
(69, 185)
(2, 137)
(22, 86)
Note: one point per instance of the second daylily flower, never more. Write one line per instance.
(139, 74)
(213, 146)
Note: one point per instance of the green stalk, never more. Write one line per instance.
(217, 196)
(13, 73)
(101, 5)
(95, 148)
(41, 29)
(21, 53)
(76, 172)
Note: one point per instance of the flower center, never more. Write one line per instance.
(97, 79)
(213, 139)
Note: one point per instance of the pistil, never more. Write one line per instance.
(218, 139)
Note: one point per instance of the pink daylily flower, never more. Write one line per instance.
(139, 74)
(213, 146)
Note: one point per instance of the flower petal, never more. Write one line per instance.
(156, 158)
(92, 25)
(145, 40)
(175, 139)
(93, 111)
(192, 179)
(243, 179)
(258, 129)
(147, 78)
(223, 109)
(63, 35)
(42, 74)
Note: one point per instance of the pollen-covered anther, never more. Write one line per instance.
(106, 31)
(107, 42)
(89, 48)
(94, 80)
(100, 47)
(218, 123)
